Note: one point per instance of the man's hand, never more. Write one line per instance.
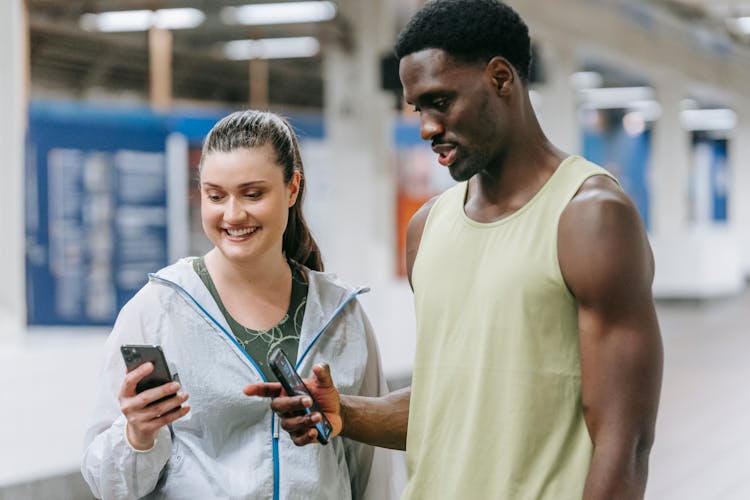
(293, 410)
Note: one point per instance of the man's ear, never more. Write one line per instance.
(502, 75)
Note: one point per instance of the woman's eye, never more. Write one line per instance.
(213, 197)
(253, 196)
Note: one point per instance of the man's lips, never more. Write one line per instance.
(446, 153)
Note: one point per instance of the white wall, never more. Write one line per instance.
(12, 126)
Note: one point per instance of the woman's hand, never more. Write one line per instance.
(144, 418)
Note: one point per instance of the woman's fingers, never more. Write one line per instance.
(133, 377)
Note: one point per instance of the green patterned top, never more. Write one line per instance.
(258, 343)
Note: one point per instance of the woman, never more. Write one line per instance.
(216, 318)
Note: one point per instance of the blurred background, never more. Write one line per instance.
(106, 103)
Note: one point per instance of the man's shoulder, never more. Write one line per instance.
(599, 192)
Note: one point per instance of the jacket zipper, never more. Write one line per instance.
(274, 418)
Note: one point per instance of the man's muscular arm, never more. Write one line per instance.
(607, 264)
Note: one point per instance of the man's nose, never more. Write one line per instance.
(429, 127)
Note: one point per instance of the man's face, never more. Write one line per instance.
(457, 109)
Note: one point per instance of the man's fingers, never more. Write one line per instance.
(322, 374)
(291, 406)
(263, 390)
(304, 438)
(300, 424)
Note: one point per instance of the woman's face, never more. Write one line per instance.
(245, 202)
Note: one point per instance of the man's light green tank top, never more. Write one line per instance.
(496, 407)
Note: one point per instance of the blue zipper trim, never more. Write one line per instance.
(274, 439)
(276, 473)
(328, 323)
(226, 333)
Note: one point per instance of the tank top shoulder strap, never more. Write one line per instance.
(568, 179)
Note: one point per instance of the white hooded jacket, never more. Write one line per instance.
(229, 445)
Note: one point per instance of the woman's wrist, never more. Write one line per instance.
(138, 445)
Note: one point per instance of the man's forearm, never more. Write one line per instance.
(616, 475)
(377, 421)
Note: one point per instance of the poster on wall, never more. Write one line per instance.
(96, 212)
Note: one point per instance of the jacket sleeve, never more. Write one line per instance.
(110, 466)
(377, 473)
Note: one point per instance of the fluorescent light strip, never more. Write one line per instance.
(708, 119)
(279, 13)
(740, 25)
(586, 80)
(272, 48)
(614, 97)
(175, 19)
(142, 20)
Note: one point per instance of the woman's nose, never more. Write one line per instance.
(234, 210)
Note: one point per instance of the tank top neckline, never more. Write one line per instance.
(518, 213)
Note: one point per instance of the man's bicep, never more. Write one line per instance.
(607, 264)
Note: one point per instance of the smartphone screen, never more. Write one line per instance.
(294, 386)
(135, 355)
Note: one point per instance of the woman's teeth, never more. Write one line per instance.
(241, 232)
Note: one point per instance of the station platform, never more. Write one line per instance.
(702, 438)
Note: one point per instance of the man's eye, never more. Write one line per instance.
(441, 103)
(253, 196)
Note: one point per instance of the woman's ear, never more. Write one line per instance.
(502, 75)
(293, 187)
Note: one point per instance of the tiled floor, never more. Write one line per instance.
(702, 449)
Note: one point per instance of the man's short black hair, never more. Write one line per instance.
(469, 29)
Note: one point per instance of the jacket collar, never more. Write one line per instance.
(327, 298)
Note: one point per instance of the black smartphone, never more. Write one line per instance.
(135, 355)
(293, 385)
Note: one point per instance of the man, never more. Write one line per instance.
(538, 361)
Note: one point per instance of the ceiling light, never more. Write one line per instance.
(586, 80)
(272, 48)
(708, 119)
(142, 20)
(739, 25)
(649, 110)
(615, 97)
(634, 123)
(175, 19)
(279, 13)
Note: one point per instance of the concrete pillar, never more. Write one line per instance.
(670, 160)
(557, 106)
(739, 188)
(258, 78)
(13, 97)
(358, 119)
(160, 67)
